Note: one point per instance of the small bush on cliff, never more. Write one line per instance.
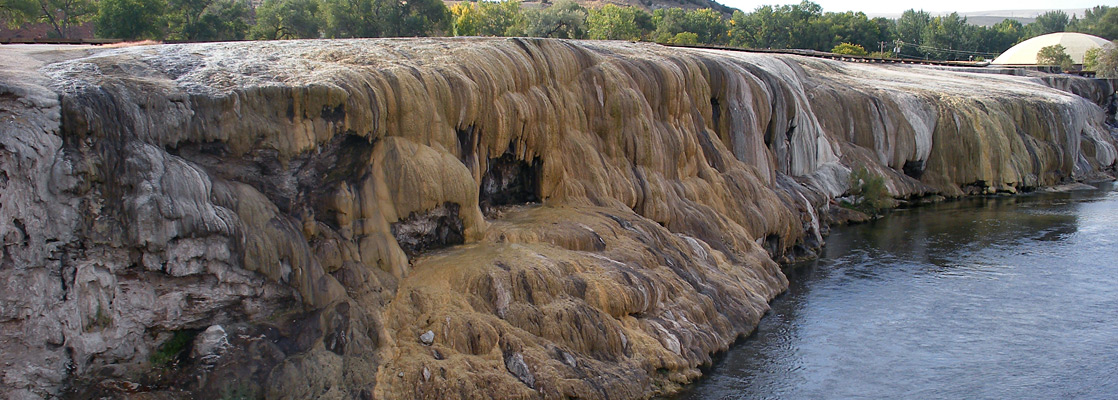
(100, 320)
(869, 192)
(170, 351)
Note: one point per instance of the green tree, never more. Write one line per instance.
(807, 29)
(565, 19)
(1049, 22)
(16, 12)
(208, 20)
(886, 29)
(64, 15)
(616, 23)
(855, 28)
(1099, 21)
(706, 24)
(764, 28)
(1001, 36)
(486, 18)
(1054, 55)
(668, 23)
(683, 38)
(910, 29)
(223, 20)
(851, 49)
(418, 18)
(1106, 62)
(287, 19)
(130, 19)
(357, 18)
(1107, 26)
(799, 26)
(949, 37)
(1091, 59)
(1091, 17)
(463, 19)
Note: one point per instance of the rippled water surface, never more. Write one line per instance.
(993, 298)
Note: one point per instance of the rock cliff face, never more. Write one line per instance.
(455, 218)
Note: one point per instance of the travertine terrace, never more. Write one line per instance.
(457, 218)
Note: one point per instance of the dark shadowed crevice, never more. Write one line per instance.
(509, 181)
(715, 113)
(334, 114)
(711, 152)
(975, 188)
(770, 131)
(914, 169)
(336, 334)
(344, 160)
(189, 148)
(772, 246)
(467, 145)
(435, 229)
(791, 129)
(308, 180)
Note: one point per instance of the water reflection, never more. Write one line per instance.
(986, 298)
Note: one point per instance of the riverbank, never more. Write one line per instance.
(950, 300)
(458, 218)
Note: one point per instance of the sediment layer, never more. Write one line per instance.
(457, 218)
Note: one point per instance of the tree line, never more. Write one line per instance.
(915, 34)
(218, 20)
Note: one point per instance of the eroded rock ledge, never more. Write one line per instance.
(456, 218)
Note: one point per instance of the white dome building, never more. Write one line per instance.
(1075, 44)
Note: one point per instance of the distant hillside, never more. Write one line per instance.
(988, 18)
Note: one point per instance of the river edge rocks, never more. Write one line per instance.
(457, 218)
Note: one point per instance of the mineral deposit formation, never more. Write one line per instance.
(457, 218)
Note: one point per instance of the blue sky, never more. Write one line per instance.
(881, 7)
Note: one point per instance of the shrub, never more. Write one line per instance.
(851, 49)
(170, 351)
(679, 38)
(868, 189)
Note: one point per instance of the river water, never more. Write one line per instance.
(1006, 298)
